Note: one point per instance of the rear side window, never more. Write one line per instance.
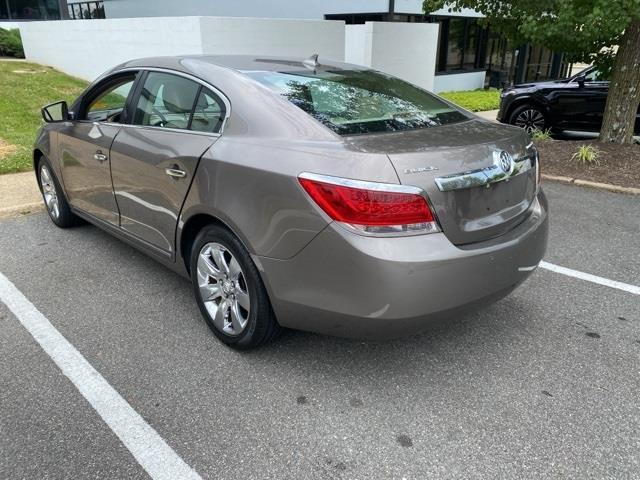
(166, 101)
(209, 112)
(171, 101)
(360, 101)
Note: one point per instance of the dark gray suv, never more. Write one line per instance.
(295, 193)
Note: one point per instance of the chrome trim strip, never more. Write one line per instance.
(377, 186)
(168, 129)
(482, 177)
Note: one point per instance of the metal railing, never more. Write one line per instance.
(86, 10)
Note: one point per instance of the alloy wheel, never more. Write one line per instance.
(49, 192)
(530, 119)
(223, 289)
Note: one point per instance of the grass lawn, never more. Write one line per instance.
(475, 100)
(24, 88)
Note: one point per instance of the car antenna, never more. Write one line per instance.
(312, 62)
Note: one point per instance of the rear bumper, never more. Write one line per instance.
(355, 286)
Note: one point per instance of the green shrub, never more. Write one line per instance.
(587, 154)
(11, 43)
(475, 100)
(541, 134)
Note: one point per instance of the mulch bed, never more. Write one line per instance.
(619, 164)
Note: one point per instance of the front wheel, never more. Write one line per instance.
(229, 290)
(529, 117)
(54, 198)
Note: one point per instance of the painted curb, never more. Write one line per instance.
(586, 183)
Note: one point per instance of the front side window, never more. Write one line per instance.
(355, 101)
(595, 76)
(108, 104)
(166, 101)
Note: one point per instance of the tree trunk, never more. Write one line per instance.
(624, 90)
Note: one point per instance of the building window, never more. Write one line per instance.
(462, 44)
(30, 9)
(358, 18)
(86, 10)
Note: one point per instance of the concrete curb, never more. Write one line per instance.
(20, 210)
(586, 183)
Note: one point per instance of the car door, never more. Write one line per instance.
(153, 160)
(84, 145)
(581, 106)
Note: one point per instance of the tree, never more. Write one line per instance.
(603, 32)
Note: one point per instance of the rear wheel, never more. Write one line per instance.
(529, 117)
(53, 196)
(229, 290)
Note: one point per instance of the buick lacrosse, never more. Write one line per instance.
(298, 193)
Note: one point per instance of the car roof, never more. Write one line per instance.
(241, 63)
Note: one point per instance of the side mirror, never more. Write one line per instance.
(580, 79)
(55, 112)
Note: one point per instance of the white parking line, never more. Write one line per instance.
(149, 449)
(591, 278)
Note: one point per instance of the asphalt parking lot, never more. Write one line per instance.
(543, 384)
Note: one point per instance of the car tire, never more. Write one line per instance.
(53, 196)
(229, 290)
(529, 117)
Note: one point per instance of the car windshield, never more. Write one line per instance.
(360, 101)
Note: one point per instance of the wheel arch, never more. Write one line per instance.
(190, 229)
(526, 101)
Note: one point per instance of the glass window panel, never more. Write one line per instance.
(456, 44)
(166, 101)
(354, 102)
(208, 114)
(108, 105)
(34, 9)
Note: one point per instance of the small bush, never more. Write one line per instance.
(11, 43)
(475, 100)
(587, 154)
(541, 134)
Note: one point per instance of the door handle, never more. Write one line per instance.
(101, 157)
(175, 172)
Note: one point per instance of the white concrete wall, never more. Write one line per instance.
(406, 50)
(452, 82)
(8, 25)
(266, 36)
(88, 48)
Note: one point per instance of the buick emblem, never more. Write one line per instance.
(504, 161)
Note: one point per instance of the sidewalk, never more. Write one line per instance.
(19, 194)
(488, 115)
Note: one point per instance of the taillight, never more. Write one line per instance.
(369, 207)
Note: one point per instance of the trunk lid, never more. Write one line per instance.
(460, 168)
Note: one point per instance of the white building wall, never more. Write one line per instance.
(309, 9)
(453, 82)
(406, 50)
(88, 48)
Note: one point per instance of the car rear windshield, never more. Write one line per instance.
(360, 101)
